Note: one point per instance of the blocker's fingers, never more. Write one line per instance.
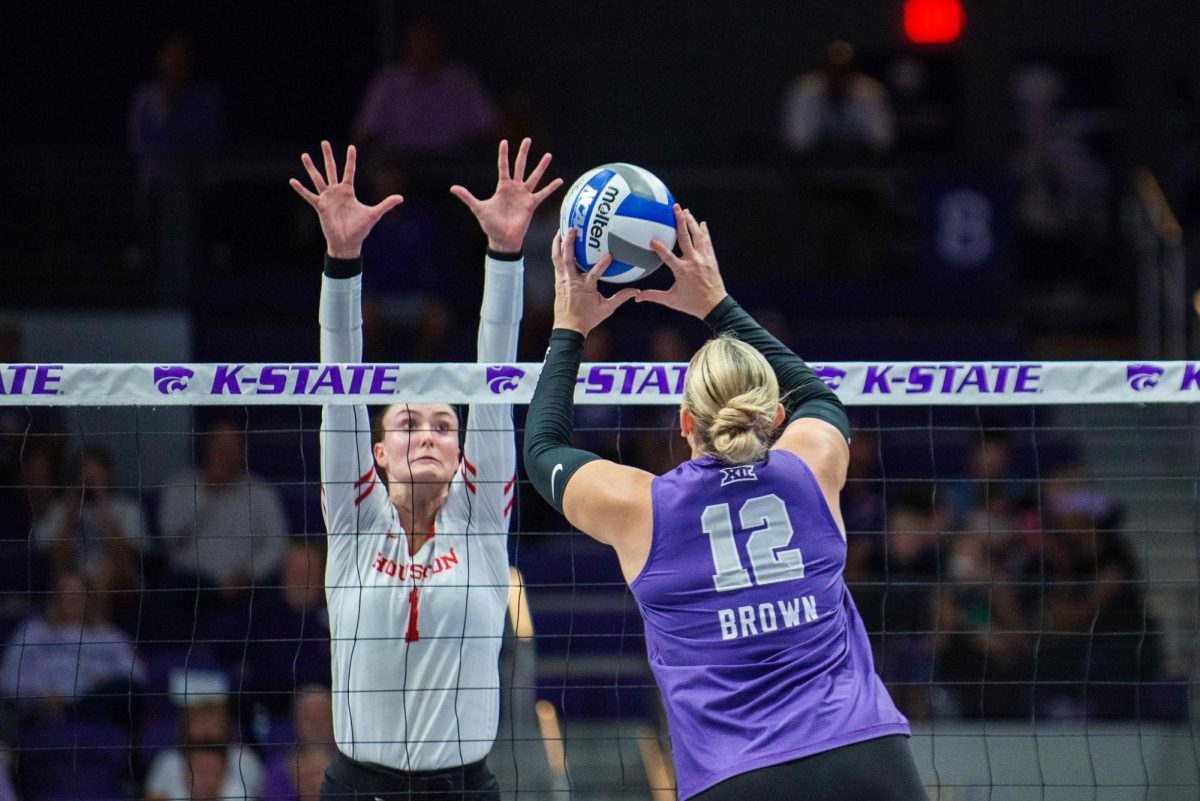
(538, 171)
(522, 155)
(502, 160)
(387, 204)
(464, 194)
(351, 162)
(547, 190)
(303, 192)
(330, 164)
(312, 171)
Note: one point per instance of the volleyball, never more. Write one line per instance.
(619, 209)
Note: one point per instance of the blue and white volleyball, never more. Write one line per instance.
(619, 209)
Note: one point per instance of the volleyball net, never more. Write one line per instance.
(1022, 545)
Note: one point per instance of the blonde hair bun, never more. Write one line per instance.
(732, 394)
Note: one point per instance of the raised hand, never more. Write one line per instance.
(344, 220)
(505, 216)
(578, 304)
(698, 286)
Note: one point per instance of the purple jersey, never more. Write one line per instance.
(758, 649)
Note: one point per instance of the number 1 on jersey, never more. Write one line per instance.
(770, 564)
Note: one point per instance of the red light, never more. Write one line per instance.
(933, 21)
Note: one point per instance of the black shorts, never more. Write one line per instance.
(349, 780)
(873, 770)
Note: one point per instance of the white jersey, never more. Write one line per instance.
(415, 638)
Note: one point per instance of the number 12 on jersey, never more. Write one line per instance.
(768, 514)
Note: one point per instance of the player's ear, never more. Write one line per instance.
(687, 423)
(779, 416)
(380, 455)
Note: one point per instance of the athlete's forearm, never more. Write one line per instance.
(490, 449)
(341, 310)
(503, 304)
(352, 494)
(803, 393)
(550, 461)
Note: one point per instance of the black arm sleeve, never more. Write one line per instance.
(550, 461)
(803, 393)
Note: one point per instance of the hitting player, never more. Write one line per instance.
(735, 557)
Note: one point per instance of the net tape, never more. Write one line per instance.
(644, 383)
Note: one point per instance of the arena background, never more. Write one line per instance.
(1040, 201)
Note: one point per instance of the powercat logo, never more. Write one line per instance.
(1143, 376)
(832, 376)
(172, 378)
(504, 378)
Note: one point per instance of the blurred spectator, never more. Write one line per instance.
(408, 295)
(1098, 629)
(174, 122)
(291, 775)
(520, 116)
(539, 281)
(14, 508)
(984, 649)
(423, 104)
(862, 497)
(97, 530)
(70, 658)
(30, 452)
(219, 522)
(988, 494)
(299, 778)
(863, 515)
(205, 726)
(838, 109)
(910, 568)
(285, 642)
(839, 115)
(411, 254)
(207, 764)
(1063, 189)
(312, 715)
